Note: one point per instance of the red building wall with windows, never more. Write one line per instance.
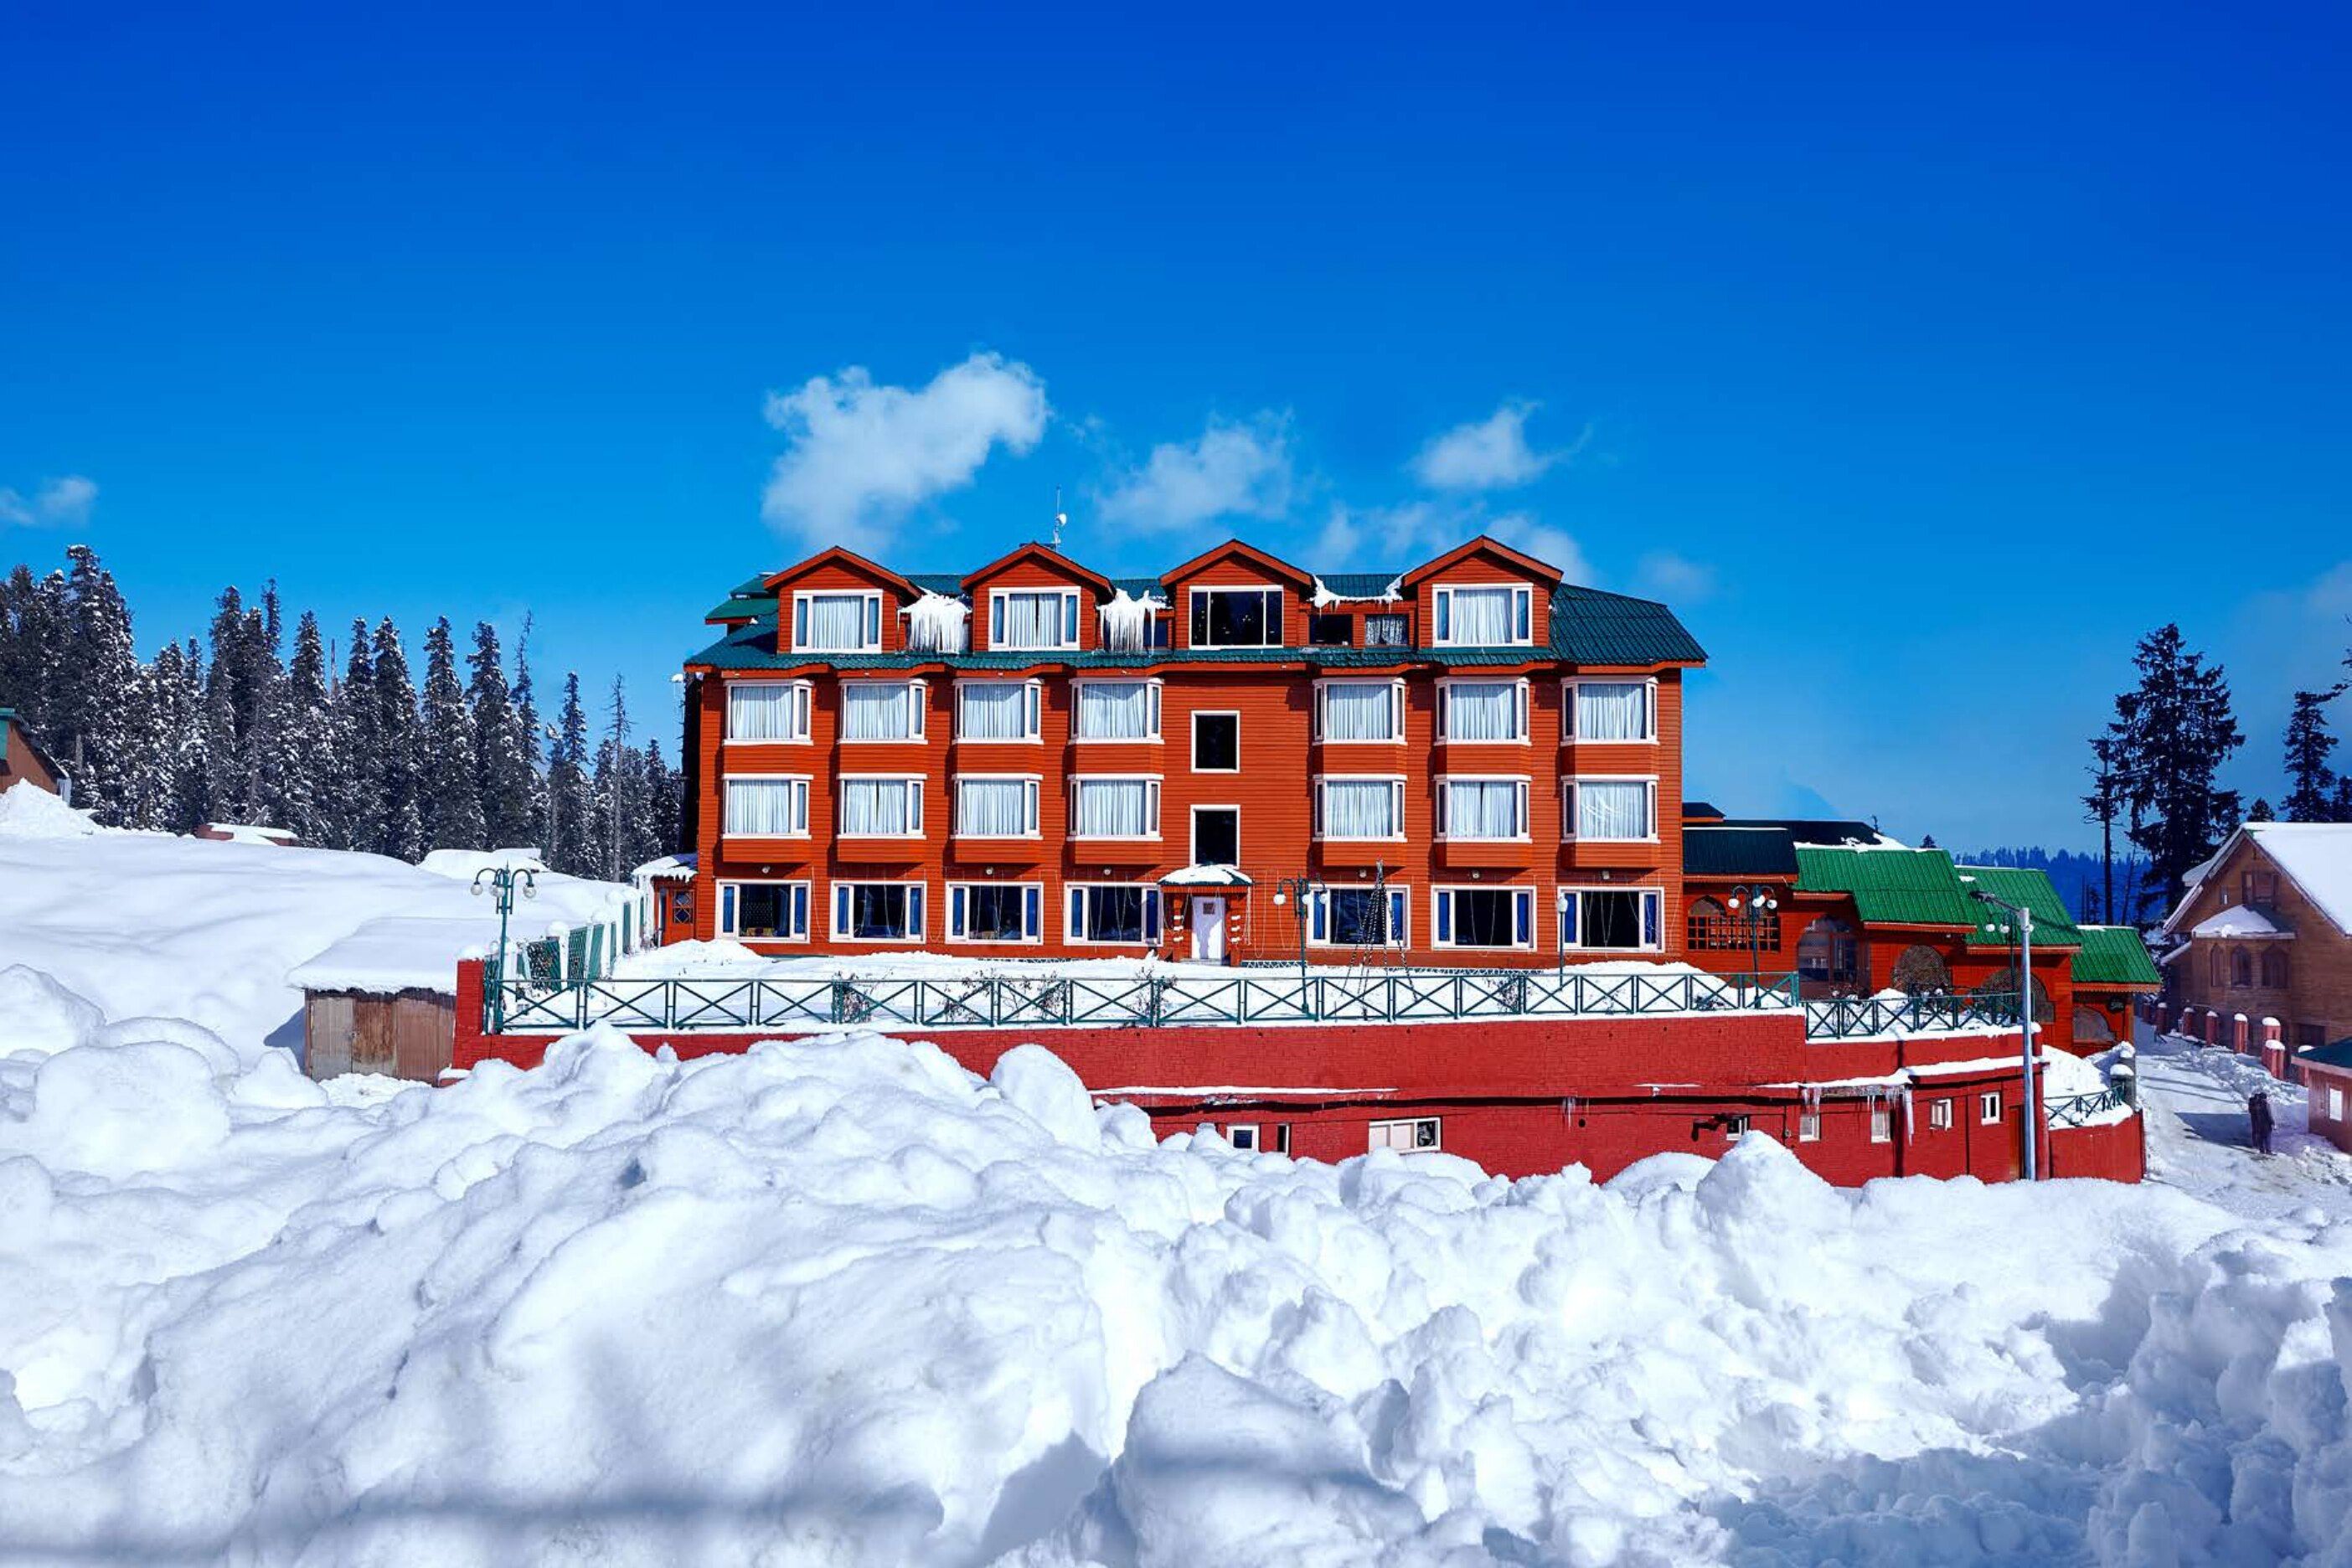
(1271, 691)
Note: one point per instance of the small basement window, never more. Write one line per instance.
(1808, 1127)
(1243, 1136)
(1939, 1115)
(1418, 1135)
(1989, 1108)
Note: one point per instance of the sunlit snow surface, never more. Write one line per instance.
(841, 1302)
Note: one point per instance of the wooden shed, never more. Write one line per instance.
(383, 999)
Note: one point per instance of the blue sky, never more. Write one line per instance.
(1922, 364)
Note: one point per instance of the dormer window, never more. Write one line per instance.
(1492, 615)
(838, 623)
(1236, 617)
(1032, 619)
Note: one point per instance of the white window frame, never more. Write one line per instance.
(1882, 1123)
(1396, 782)
(1155, 915)
(1735, 1126)
(1939, 1114)
(1243, 1136)
(1152, 801)
(1446, 708)
(1319, 924)
(1808, 1127)
(1067, 623)
(1989, 1108)
(1441, 613)
(2334, 1103)
(801, 707)
(805, 814)
(1382, 1134)
(951, 918)
(1657, 899)
(1033, 713)
(1396, 713)
(1031, 811)
(1569, 820)
(1192, 830)
(730, 922)
(1446, 806)
(872, 624)
(1445, 891)
(1278, 625)
(917, 911)
(917, 694)
(1568, 731)
(1195, 725)
(1157, 706)
(914, 784)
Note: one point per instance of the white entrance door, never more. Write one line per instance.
(1208, 931)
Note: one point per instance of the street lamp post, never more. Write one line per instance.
(2022, 920)
(1753, 903)
(1295, 891)
(501, 882)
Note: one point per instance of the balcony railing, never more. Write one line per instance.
(1862, 1018)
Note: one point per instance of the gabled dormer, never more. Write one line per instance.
(1483, 593)
(1036, 600)
(838, 602)
(1238, 596)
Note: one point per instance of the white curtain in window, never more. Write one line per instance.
(1487, 711)
(997, 711)
(1613, 808)
(1481, 616)
(877, 710)
(1114, 710)
(1612, 711)
(770, 806)
(873, 805)
(1481, 808)
(762, 712)
(997, 808)
(1033, 620)
(1113, 808)
(1358, 712)
(1359, 808)
(836, 620)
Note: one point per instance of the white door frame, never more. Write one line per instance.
(1203, 923)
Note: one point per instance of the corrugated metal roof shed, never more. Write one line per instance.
(1889, 887)
(2114, 955)
(2053, 925)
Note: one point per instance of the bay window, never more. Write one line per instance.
(996, 807)
(1236, 617)
(996, 911)
(881, 709)
(1359, 808)
(1116, 710)
(885, 808)
(1115, 808)
(1484, 616)
(838, 623)
(769, 710)
(877, 911)
(1125, 913)
(1032, 619)
(1609, 710)
(763, 912)
(1359, 710)
(1482, 711)
(1483, 917)
(765, 808)
(1611, 919)
(998, 711)
(1481, 808)
(1611, 810)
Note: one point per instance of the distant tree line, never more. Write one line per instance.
(2081, 879)
(344, 750)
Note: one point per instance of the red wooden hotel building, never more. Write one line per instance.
(1467, 763)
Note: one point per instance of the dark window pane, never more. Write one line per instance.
(1216, 741)
(993, 914)
(1611, 920)
(1115, 914)
(1217, 838)
(761, 911)
(1483, 917)
(1358, 917)
(878, 910)
(1329, 631)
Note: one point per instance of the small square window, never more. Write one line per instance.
(1989, 1108)
(1216, 742)
(1735, 1128)
(1243, 1136)
(1939, 1114)
(1808, 1127)
(1882, 1124)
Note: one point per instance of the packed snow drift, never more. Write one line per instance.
(843, 1302)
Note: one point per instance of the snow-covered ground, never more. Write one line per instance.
(2200, 1140)
(842, 1302)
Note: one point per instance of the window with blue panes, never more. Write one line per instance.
(763, 912)
(1113, 913)
(995, 911)
(1613, 919)
(1358, 917)
(877, 911)
(1483, 917)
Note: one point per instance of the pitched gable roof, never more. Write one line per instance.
(1033, 551)
(2114, 956)
(842, 555)
(1263, 558)
(2316, 857)
(1484, 544)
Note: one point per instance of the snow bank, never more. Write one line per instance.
(27, 812)
(848, 1303)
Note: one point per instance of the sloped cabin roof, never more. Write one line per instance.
(2316, 857)
(2053, 924)
(2115, 958)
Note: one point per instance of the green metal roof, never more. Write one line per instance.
(1711, 851)
(737, 606)
(2053, 925)
(2114, 955)
(1589, 627)
(1358, 584)
(1889, 887)
(2335, 1054)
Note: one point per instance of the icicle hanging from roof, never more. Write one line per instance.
(1126, 621)
(939, 623)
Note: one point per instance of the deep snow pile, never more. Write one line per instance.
(843, 1302)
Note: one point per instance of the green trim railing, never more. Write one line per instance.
(983, 1000)
(2077, 1109)
(1862, 1018)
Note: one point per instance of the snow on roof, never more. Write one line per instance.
(2239, 920)
(1206, 877)
(395, 953)
(1388, 596)
(249, 833)
(668, 869)
(2319, 855)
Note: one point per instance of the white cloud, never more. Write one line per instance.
(1672, 576)
(1235, 470)
(64, 502)
(860, 455)
(1545, 542)
(1489, 454)
(1399, 537)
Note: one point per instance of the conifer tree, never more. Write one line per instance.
(180, 707)
(303, 757)
(2261, 811)
(89, 719)
(505, 771)
(662, 805)
(400, 740)
(18, 672)
(568, 805)
(360, 823)
(36, 614)
(2311, 776)
(2172, 733)
(452, 782)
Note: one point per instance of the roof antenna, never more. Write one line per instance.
(1061, 519)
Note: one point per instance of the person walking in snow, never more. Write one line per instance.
(2258, 1111)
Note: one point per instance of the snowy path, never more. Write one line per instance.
(2198, 1138)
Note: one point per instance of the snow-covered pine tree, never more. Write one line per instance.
(262, 679)
(143, 780)
(18, 672)
(359, 819)
(400, 756)
(36, 613)
(303, 757)
(2261, 811)
(2173, 731)
(503, 767)
(619, 792)
(452, 782)
(567, 787)
(660, 815)
(180, 711)
(90, 724)
(534, 737)
(2311, 777)
(228, 715)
